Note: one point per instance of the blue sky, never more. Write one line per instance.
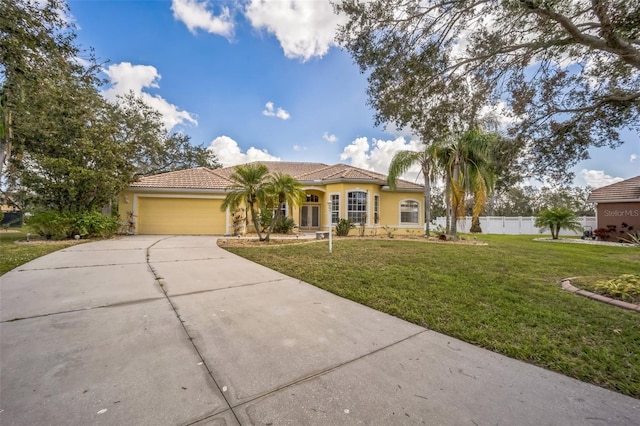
(260, 80)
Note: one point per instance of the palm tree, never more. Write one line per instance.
(283, 188)
(557, 218)
(467, 167)
(248, 187)
(403, 161)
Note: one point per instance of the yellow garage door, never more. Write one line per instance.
(186, 216)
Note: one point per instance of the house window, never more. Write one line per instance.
(283, 210)
(312, 198)
(335, 208)
(376, 209)
(409, 211)
(357, 206)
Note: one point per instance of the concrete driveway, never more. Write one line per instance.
(175, 331)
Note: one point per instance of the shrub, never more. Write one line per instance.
(607, 233)
(440, 232)
(93, 224)
(625, 287)
(284, 225)
(343, 227)
(238, 219)
(633, 239)
(50, 224)
(54, 225)
(611, 233)
(266, 216)
(389, 231)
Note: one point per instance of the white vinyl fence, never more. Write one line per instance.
(513, 225)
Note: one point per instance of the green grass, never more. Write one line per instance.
(504, 297)
(14, 253)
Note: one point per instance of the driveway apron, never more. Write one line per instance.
(157, 330)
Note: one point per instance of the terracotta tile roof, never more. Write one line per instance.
(308, 173)
(625, 190)
(294, 169)
(314, 172)
(198, 178)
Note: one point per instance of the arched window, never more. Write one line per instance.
(357, 206)
(312, 198)
(409, 212)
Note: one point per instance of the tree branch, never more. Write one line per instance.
(611, 43)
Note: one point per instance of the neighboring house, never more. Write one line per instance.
(618, 205)
(188, 201)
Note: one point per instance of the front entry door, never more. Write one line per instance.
(310, 217)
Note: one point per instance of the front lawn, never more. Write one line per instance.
(16, 251)
(504, 296)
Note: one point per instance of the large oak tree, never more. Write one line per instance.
(569, 70)
(62, 145)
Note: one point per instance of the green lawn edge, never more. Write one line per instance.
(16, 251)
(504, 296)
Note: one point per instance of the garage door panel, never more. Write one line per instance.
(191, 216)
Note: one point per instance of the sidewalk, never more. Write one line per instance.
(176, 331)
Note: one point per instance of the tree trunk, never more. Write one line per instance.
(455, 202)
(475, 225)
(5, 144)
(275, 216)
(447, 204)
(254, 218)
(427, 198)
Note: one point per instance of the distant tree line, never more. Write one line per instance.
(525, 201)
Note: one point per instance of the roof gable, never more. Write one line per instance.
(625, 190)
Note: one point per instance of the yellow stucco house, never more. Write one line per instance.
(188, 201)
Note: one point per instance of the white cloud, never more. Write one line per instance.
(329, 138)
(597, 178)
(304, 28)
(230, 154)
(633, 158)
(126, 78)
(270, 111)
(196, 15)
(378, 155)
(299, 148)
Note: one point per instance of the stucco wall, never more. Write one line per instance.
(218, 222)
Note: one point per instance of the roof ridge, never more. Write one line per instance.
(326, 166)
(374, 174)
(213, 172)
(371, 173)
